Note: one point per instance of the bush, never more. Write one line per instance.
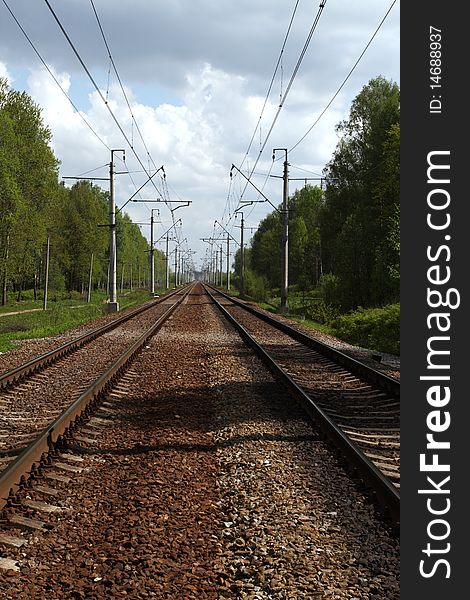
(329, 286)
(321, 311)
(374, 328)
(256, 286)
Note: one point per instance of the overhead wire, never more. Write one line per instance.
(336, 93)
(81, 61)
(268, 93)
(293, 76)
(112, 62)
(51, 73)
(345, 79)
(95, 85)
(288, 88)
(165, 193)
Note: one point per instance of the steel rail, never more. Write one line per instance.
(386, 492)
(380, 379)
(35, 364)
(18, 469)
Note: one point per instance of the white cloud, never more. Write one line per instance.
(4, 73)
(206, 68)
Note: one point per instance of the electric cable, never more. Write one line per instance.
(346, 78)
(54, 77)
(289, 85)
(112, 62)
(90, 76)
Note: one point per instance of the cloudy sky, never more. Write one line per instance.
(196, 74)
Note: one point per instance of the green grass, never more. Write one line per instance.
(313, 325)
(60, 315)
(374, 328)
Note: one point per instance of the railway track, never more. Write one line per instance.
(41, 398)
(356, 406)
(191, 475)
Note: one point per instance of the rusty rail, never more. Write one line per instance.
(21, 467)
(385, 491)
(48, 358)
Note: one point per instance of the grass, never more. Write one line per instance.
(313, 325)
(61, 315)
(273, 308)
(374, 328)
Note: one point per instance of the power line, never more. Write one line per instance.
(289, 85)
(272, 82)
(258, 124)
(54, 77)
(85, 68)
(346, 78)
(120, 82)
(77, 54)
(294, 74)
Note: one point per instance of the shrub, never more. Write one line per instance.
(256, 286)
(374, 328)
(329, 286)
(321, 311)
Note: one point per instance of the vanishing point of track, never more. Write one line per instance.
(193, 474)
(356, 407)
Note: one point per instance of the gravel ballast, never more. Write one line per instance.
(209, 483)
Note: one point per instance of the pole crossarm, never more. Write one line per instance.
(142, 186)
(229, 234)
(284, 306)
(257, 189)
(185, 203)
(86, 178)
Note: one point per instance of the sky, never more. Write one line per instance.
(196, 76)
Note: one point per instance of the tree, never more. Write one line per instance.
(304, 241)
(34, 206)
(358, 220)
(28, 178)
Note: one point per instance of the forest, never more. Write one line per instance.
(36, 207)
(344, 237)
(344, 240)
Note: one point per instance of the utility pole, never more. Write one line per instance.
(167, 281)
(242, 258)
(89, 279)
(166, 236)
(176, 265)
(228, 251)
(152, 252)
(46, 278)
(221, 259)
(113, 305)
(228, 263)
(284, 307)
(246, 203)
(178, 259)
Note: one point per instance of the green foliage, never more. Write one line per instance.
(304, 241)
(321, 312)
(329, 287)
(374, 328)
(34, 206)
(65, 310)
(359, 219)
(344, 242)
(44, 323)
(256, 286)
